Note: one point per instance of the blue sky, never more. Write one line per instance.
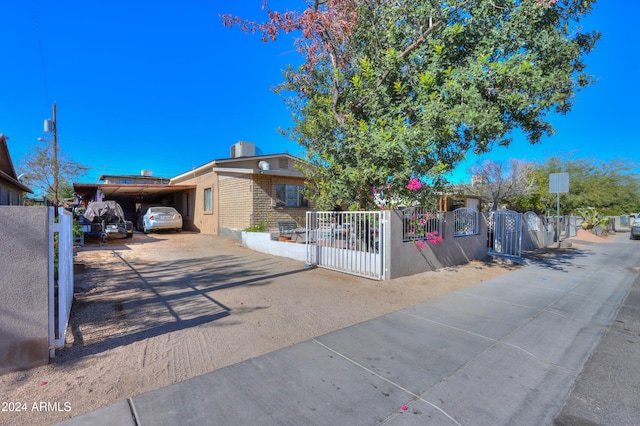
(164, 86)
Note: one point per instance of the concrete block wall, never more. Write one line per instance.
(24, 287)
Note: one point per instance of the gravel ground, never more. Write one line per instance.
(158, 309)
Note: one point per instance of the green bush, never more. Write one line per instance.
(260, 227)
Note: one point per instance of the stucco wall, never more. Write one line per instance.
(198, 219)
(534, 234)
(263, 242)
(24, 294)
(405, 258)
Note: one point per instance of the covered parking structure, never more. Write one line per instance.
(135, 198)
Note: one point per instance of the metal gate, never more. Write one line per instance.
(505, 233)
(350, 242)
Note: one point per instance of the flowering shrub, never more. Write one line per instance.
(419, 223)
(414, 184)
(433, 237)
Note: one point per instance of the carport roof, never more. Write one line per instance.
(111, 190)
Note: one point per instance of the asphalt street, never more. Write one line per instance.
(555, 342)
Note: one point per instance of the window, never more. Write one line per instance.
(290, 196)
(125, 181)
(207, 200)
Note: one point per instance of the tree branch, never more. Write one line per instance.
(409, 49)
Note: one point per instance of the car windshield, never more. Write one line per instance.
(162, 210)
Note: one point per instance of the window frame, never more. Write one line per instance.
(286, 192)
(208, 199)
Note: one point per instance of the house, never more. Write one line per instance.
(11, 189)
(235, 193)
(222, 197)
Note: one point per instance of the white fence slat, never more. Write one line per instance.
(60, 316)
(52, 299)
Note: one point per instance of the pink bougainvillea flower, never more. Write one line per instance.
(414, 184)
(434, 237)
(404, 408)
(421, 244)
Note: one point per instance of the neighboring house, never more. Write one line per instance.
(450, 202)
(145, 177)
(235, 193)
(11, 189)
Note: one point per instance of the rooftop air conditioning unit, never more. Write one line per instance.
(243, 149)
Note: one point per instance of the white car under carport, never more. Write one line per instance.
(161, 218)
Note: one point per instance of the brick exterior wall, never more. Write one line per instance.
(236, 201)
(264, 209)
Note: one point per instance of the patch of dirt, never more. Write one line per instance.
(164, 308)
(584, 235)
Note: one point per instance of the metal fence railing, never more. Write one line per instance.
(418, 222)
(465, 222)
(350, 242)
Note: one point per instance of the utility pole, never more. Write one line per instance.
(56, 172)
(51, 126)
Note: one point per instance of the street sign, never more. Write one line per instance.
(558, 182)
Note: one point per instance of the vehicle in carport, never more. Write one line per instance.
(105, 219)
(160, 218)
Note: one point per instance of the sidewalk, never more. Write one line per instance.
(507, 351)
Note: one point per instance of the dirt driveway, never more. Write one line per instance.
(162, 308)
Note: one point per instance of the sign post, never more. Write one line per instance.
(558, 182)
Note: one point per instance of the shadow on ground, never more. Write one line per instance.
(556, 258)
(120, 301)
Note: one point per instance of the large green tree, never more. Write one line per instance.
(394, 90)
(611, 187)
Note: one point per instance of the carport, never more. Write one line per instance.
(136, 197)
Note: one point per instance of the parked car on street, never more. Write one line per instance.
(160, 218)
(635, 229)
